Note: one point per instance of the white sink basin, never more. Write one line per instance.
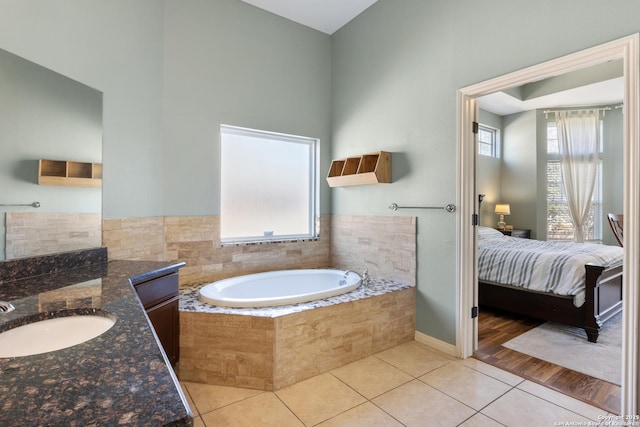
(52, 334)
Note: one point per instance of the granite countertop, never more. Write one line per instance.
(118, 378)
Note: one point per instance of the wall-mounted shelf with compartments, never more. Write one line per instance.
(373, 168)
(69, 173)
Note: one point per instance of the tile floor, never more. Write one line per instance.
(408, 385)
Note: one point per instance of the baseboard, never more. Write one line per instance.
(436, 344)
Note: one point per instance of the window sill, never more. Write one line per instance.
(268, 242)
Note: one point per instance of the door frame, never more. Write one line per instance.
(626, 49)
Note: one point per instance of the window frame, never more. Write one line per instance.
(597, 205)
(313, 185)
(495, 133)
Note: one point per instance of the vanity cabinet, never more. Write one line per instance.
(160, 299)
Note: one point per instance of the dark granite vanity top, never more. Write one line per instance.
(118, 378)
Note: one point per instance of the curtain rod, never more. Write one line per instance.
(603, 109)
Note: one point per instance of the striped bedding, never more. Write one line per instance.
(546, 266)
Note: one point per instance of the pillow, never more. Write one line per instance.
(489, 233)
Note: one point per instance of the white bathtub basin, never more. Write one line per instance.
(52, 334)
(276, 288)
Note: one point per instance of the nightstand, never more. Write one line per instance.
(524, 234)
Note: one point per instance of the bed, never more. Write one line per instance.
(578, 284)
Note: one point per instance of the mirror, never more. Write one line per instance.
(48, 116)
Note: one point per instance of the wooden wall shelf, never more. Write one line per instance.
(373, 168)
(69, 173)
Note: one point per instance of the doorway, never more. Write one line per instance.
(625, 49)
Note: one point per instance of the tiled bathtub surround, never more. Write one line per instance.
(272, 348)
(189, 300)
(196, 240)
(135, 238)
(385, 246)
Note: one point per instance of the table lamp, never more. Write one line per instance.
(502, 210)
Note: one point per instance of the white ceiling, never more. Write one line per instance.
(601, 93)
(327, 16)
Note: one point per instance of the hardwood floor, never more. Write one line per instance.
(496, 327)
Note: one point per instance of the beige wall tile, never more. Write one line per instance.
(384, 246)
(134, 238)
(269, 354)
(31, 234)
(226, 350)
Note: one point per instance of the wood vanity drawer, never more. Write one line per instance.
(158, 290)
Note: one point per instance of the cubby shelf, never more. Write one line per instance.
(373, 168)
(69, 173)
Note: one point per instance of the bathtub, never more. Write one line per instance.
(275, 288)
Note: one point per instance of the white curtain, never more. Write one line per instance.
(578, 144)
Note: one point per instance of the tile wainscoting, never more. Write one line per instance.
(32, 234)
(385, 246)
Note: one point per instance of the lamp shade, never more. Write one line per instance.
(504, 209)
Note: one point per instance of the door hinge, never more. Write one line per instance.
(474, 219)
(475, 127)
(474, 312)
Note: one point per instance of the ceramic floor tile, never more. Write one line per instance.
(366, 415)
(518, 408)
(209, 397)
(480, 420)
(264, 410)
(417, 404)
(492, 371)
(197, 422)
(319, 398)
(469, 386)
(413, 358)
(563, 400)
(371, 376)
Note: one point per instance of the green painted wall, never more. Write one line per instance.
(396, 70)
(226, 62)
(386, 81)
(520, 169)
(115, 47)
(171, 72)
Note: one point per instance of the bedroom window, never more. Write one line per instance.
(269, 186)
(559, 224)
(487, 141)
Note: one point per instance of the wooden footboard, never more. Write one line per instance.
(603, 300)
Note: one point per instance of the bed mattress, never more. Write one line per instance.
(544, 266)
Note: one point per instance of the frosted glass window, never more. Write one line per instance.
(268, 186)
